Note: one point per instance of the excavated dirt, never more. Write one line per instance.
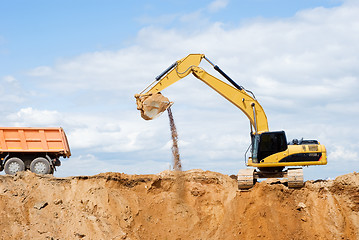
(120, 206)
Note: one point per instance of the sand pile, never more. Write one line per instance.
(120, 206)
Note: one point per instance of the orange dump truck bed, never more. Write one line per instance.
(28, 140)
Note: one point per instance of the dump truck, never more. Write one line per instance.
(271, 155)
(37, 149)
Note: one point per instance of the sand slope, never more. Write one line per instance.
(191, 205)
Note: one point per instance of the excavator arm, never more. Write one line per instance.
(151, 103)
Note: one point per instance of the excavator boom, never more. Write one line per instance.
(151, 103)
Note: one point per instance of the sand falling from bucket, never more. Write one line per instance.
(177, 166)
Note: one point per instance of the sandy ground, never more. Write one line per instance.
(170, 205)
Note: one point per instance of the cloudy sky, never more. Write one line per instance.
(77, 64)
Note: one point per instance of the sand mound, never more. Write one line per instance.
(172, 205)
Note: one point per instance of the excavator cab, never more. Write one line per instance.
(266, 144)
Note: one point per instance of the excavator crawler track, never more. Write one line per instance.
(295, 177)
(246, 178)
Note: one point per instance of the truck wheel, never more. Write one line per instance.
(14, 165)
(40, 165)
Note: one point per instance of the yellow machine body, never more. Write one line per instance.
(274, 160)
(269, 150)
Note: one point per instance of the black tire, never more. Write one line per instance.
(40, 165)
(14, 165)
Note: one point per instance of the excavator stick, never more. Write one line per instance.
(152, 105)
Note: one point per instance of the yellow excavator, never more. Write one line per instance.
(270, 153)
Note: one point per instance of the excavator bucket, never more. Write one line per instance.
(152, 105)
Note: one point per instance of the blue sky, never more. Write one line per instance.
(77, 64)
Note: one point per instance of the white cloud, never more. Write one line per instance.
(41, 71)
(9, 79)
(32, 117)
(96, 71)
(10, 93)
(340, 152)
(217, 5)
(92, 133)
